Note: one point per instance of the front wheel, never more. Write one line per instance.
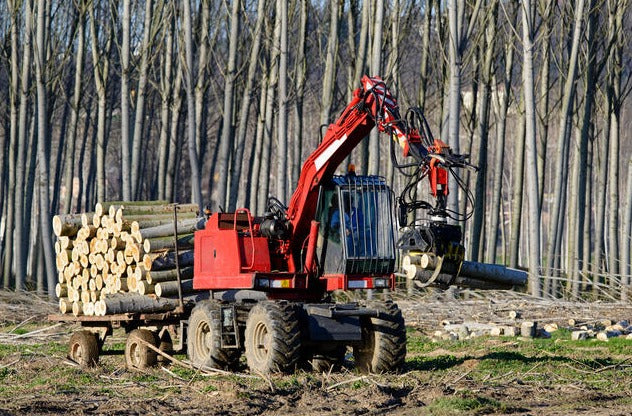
(204, 342)
(383, 346)
(272, 339)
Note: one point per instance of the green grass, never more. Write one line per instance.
(209, 388)
(494, 361)
(464, 406)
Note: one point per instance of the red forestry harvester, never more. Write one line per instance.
(271, 277)
(277, 272)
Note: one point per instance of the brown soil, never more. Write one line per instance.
(32, 382)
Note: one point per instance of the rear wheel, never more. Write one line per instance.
(204, 338)
(84, 349)
(383, 346)
(137, 354)
(272, 338)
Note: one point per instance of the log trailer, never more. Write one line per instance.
(269, 280)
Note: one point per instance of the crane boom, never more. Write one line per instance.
(372, 105)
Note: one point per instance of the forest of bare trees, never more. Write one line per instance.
(217, 102)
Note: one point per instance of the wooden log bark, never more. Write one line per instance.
(86, 219)
(144, 288)
(61, 290)
(171, 288)
(65, 305)
(151, 245)
(143, 207)
(154, 277)
(134, 303)
(185, 226)
(66, 225)
(65, 242)
(104, 207)
(134, 250)
(167, 260)
(493, 273)
(128, 217)
(77, 308)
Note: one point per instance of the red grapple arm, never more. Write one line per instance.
(372, 105)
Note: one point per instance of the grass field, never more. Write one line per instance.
(485, 375)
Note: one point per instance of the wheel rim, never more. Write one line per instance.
(77, 352)
(134, 353)
(203, 339)
(261, 341)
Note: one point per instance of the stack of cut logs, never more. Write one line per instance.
(122, 257)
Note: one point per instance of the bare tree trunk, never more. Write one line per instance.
(351, 45)
(361, 66)
(255, 173)
(613, 193)
(82, 157)
(34, 266)
(227, 139)
(601, 162)
(282, 144)
(75, 108)
(174, 140)
(425, 53)
(43, 153)
(300, 74)
(392, 70)
(126, 173)
(13, 146)
(376, 69)
(166, 96)
(202, 83)
(236, 185)
(577, 253)
(528, 35)
(517, 192)
(477, 242)
(502, 107)
(545, 93)
(588, 235)
(615, 68)
(273, 79)
(460, 33)
(30, 195)
(139, 117)
(561, 167)
(19, 257)
(627, 227)
(101, 66)
(329, 75)
(196, 192)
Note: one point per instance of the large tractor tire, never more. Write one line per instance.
(273, 338)
(383, 347)
(84, 349)
(204, 338)
(137, 354)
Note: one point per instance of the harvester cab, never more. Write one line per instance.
(356, 236)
